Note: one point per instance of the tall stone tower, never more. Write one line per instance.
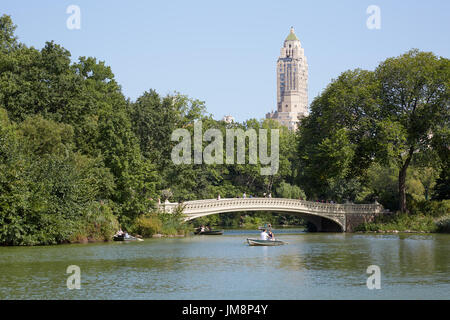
(292, 83)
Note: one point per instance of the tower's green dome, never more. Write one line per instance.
(292, 35)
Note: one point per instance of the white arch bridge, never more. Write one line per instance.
(324, 216)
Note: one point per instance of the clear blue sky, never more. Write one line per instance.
(224, 52)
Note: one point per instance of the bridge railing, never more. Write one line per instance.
(282, 203)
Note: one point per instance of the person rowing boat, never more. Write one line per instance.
(124, 236)
(267, 235)
(264, 235)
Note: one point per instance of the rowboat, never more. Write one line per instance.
(210, 232)
(123, 238)
(259, 242)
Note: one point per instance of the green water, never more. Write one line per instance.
(311, 266)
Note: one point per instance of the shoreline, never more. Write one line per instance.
(161, 236)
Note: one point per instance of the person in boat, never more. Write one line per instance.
(264, 235)
(271, 236)
(119, 233)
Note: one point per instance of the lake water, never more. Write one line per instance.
(310, 266)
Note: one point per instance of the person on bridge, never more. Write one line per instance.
(218, 197)
(264, 235)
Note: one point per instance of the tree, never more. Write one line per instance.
(396, 114)
(285, 190)
(48, 192)
(414, 94)
(155, 118)
(75, 108)
(8, 40)
(334, 143)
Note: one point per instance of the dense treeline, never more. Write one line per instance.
(384, 136)
(68, 151)
(78, 159)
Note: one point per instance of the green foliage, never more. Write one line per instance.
(77, 157)
(7, 38)
(99, 224)
(395, 116)
(46, 189)
(430, 208)
(441, 189)
(161, 222)
(414, 96)
(334, 148)
(148, 225)
(380, 186)
(173, 223)
(425, 216)
(212, 220)
(252, 222)
(70, 144)
(285, 190)
(249, 220)
(443, 225)
(401, 222)
(155, 118)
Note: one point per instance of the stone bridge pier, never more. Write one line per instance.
(325, 217)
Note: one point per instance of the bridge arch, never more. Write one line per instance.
(325, 216)
(320, 222)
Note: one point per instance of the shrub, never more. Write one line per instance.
(400, 222)
(148, 225)
(443, 225)
(429, 208)
(99, 224)
(251, 222)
